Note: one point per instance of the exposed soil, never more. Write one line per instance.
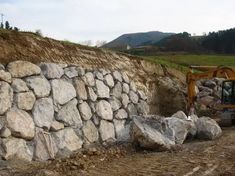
(193, 158)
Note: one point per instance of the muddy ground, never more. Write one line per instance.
(199, 158)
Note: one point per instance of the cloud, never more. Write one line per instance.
(78, 20)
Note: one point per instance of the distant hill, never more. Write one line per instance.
(137, 39)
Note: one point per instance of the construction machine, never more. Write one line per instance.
(226, 115)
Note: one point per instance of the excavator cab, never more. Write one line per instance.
(228, 93)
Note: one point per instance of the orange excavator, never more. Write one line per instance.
(227, 115)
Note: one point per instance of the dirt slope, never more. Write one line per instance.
(148, 76)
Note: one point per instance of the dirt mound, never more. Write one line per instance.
(147, 76)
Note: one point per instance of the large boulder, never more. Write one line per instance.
(102, 90)
(122, 130)
(117, 90)
(208, 129)
(144, 135)
(40, 86)
(20, 69)
(85, 111)
(115, 103)
(117, 76)
(51, 70)
(20, 123)
(106, 130)
(67, 141)
(133, 97)
(62, 91)
(15, 148)
(43, 112)
(25, 100)
(45, 147)
(89, 79)
(125, 100)
(104, 110)
(90, 132)
(70, 115)
(80, 88)
(71, 72)
(108, 80)
(6, 96)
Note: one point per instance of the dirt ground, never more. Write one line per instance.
(198, 158)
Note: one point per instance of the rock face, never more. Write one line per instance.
(148, 137)
(106, 130)
(40, 86)
(20, 123)
(62, 91)
(51, 70)
(104, 110)
(43, 112)
(70, 115)
(55, 109)
(20, 69)
(67, 140)
(25, 100)
(16, 149)
(6, 96)
(207, 129)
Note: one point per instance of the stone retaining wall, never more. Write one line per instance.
(51, 109)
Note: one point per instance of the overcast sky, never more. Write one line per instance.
(79, 20)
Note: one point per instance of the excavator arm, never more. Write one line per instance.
(209, 72)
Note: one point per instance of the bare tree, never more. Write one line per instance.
(100, 43)
(86, 42)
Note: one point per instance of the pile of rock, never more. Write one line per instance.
(160, 133)
(209, 93)
(51, 109)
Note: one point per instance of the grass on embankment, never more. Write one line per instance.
(181, 62)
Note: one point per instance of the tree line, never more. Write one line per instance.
(7, 26)
(221, 42)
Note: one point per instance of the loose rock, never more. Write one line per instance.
(104, 110)
(117, 90)
(71, 72)
(89, 79)
(85, 111)
(115, 103)
(90, 132)
(108, 80)
(18, 85)
(5, 76)
(51, 70)
(121, 114)
(25, 100)
(133, 97)
(102, 89)
(80, 89)
(6, 96)
(106, 130)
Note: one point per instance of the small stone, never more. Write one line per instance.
(91, 94)
(20, 123)
(43, 112)
(20, 69)
(5, 132)
(117, 90)
(125, 78)
(104, 110)
(56, 126)
(99, 75)
(6, 97)
(85, 111)
(132, 110)
(18, 85)
(125, 100)
(15, 148)
(5, 76)
(89, 79)
(102, 89)
(40, 86)
(142, 95)
(62, 91)
(121, 114)
(51, 70)
(143, 108)
(126, 88)
(106, 130)
(70, 115)
(133, 97)
(25, 100)
(117, 76)
(90, 132)
(108, 80)
(80, 89)
(133, 86)
(81, 71)
(115, 103)
(96, 120)
(71, 72)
